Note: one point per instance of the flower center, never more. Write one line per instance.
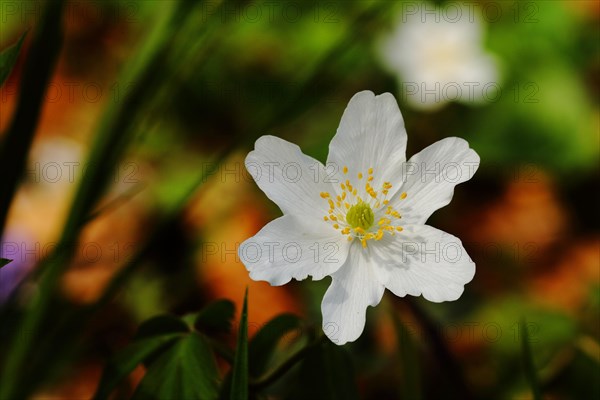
(360, 215)
(355, 217)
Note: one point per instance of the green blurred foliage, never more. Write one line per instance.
(231, 79)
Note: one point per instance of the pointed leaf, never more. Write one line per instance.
(263, 344)
(161, 325)
(239, 379)
(8, 58)
(129, 358)
(216, 317)
(530, 372)
(4, 262)
(187, 370)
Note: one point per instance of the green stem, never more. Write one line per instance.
(111, 140)
(38, 68)
(284, 367)
(444, 356)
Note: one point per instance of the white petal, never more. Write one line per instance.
(354, 287)
(430, 177)
(288, 177)
(371, 134)
(293, 247)
(423, 260)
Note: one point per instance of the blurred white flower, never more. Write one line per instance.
(438, 56)
(361, 218)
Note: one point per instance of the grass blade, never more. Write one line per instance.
(8, 58)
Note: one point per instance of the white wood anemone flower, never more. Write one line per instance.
(438, 55)
(361, 217)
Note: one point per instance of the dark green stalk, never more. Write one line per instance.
(111, 141)
(38, 68)
(288, 364)
(444, 356)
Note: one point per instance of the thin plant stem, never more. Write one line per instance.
(38, 68)
(284, 367)
(444, 356)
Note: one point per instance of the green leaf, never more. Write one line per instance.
(4, 262)
(8, 58)
(327, 372)
(187, 370)
(129, 358)
(239, 380)
(161, 325)
(215, 317)
(263, 344)
(530, 372)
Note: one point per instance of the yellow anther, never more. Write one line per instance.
(360, 175)
(343, 186)
(331, 203)
(338, 198)
(396, 214)
(360, 230)
(364, 243)
(386, 202)
(370, 178)
(336, 226)
(383, 221)
(346, 231)
(399, 228)
(354, 192)
(347, 206)
(350, 238)
(344, 196)
(379, 235)
(370, 171)
(333, 217)
(345, 169)
(403, 195)
(384, 191)
(325, 218)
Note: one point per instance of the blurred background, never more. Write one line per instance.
(518, 80)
